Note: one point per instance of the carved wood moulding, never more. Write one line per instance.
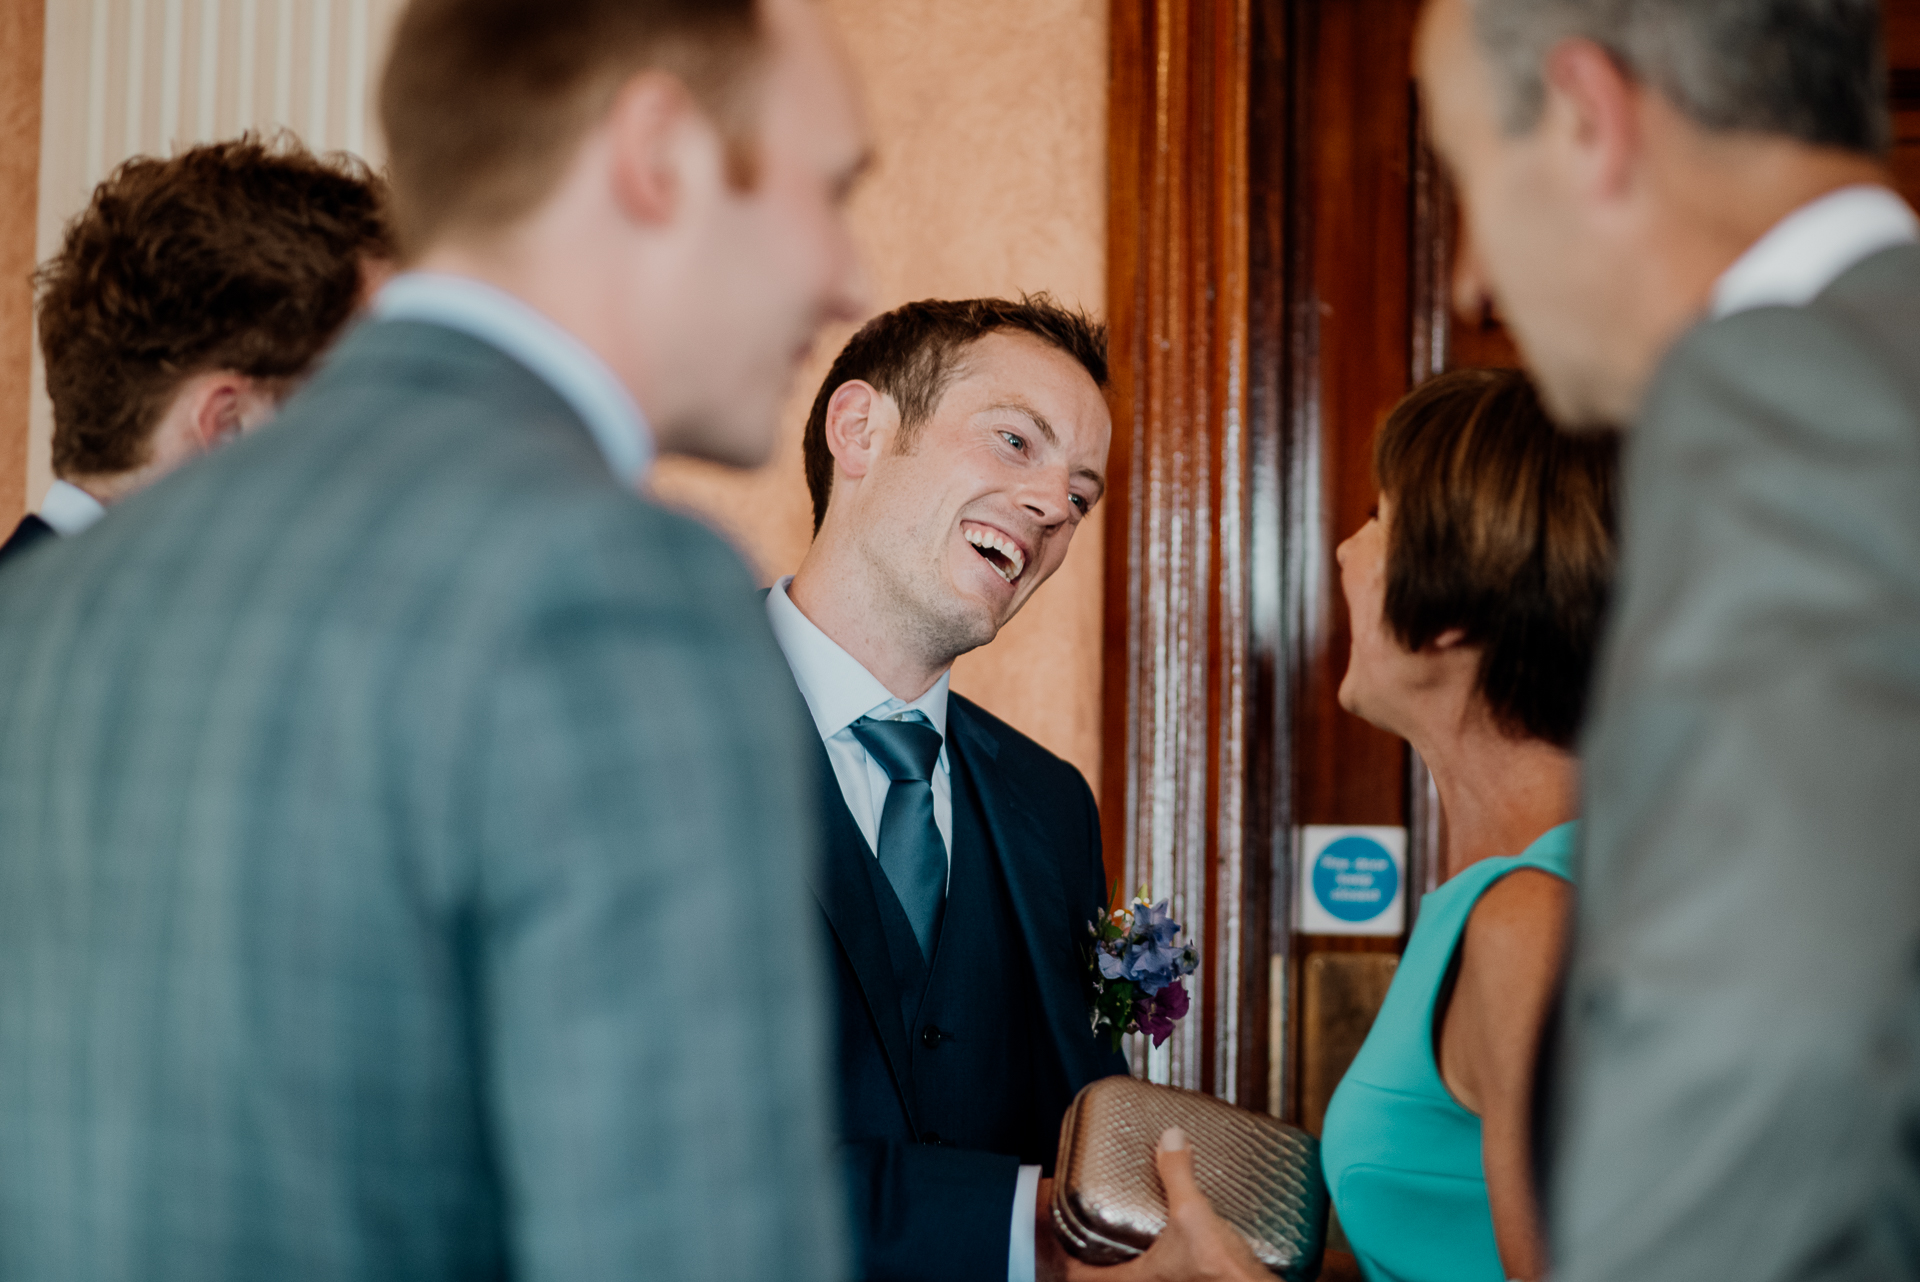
(1174, 792)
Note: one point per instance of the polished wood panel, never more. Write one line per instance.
(1340, 993)
(22, 45)
(1903, 58)
(1176, 757)
(1348, 290)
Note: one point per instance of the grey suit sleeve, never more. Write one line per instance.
(1741, 1009)
(649, 977)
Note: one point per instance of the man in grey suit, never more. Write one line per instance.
(402, 823)
(1681, 209)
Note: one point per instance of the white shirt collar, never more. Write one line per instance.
(69, 509)
(837, 688)
(566, 364)
(1814, 246)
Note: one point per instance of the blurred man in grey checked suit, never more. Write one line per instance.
(403, 822)
(1680, 207)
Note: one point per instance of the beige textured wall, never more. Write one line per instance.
(990, 120)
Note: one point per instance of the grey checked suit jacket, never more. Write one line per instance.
(402, 839)
(1743, 1089)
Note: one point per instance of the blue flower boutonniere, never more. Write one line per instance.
(1136, 969)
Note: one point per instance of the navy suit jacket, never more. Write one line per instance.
(924, 1208)
(30, 531)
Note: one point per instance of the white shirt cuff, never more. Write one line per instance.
(1026, 1196)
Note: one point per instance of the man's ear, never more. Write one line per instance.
(1451, 639)
(858, 415)
(1593, 104)
(646, 133)
(225, 404)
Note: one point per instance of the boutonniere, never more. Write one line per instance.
(1136, 969)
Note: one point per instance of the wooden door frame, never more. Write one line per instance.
(1181, 718)
(1225, 634)
(22, 55)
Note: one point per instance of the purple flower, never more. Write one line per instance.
(1111, 967)
(1154, 1016)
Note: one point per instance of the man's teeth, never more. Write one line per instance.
(1011, 562)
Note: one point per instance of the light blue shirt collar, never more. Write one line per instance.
(70, 509)
(562, 361)
(838, 689)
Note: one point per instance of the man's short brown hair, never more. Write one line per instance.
(484, 102)
(913, 353)
(243, 255)
(1501, 526)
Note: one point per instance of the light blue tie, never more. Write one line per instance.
(911, 852)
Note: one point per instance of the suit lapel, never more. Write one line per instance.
(1050, 924)
(844, 888)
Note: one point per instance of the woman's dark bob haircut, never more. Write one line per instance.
(1502, 526)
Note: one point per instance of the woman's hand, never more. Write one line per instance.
(1197, 1246)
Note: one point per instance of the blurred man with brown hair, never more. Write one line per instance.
(187, 300)
(405, 821)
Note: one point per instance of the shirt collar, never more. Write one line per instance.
(837, 688)
(1813, 246)
(69, 509)
(566, 364)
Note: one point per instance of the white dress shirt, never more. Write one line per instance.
(839, 691)
(1814, 246)
(563, 362)
(70, 509)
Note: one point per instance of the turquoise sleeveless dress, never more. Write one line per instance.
(1402, 1158)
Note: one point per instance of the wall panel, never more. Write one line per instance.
(989, 121)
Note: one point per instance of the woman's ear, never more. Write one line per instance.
(1451, 639)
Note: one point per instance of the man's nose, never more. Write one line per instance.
(1049, 498)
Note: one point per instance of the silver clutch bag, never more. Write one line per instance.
(1262, 1176)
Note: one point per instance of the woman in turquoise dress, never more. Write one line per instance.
(1476, 594)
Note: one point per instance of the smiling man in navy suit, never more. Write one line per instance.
(951, 453)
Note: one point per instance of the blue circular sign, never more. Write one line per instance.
(1355, 879)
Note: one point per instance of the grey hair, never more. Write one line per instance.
(1808, 69)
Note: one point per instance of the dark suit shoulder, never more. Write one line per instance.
(1015, 750)
(31, 530)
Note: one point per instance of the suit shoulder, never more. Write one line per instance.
(1018, 750)
(1838, 373)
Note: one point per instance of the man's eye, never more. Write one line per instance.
(1081, 503)
(1018, 442)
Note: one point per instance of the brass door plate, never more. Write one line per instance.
(1341, 994)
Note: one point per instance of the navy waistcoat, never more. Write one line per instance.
(982, 1068)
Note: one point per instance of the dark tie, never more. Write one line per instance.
(911, 852)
